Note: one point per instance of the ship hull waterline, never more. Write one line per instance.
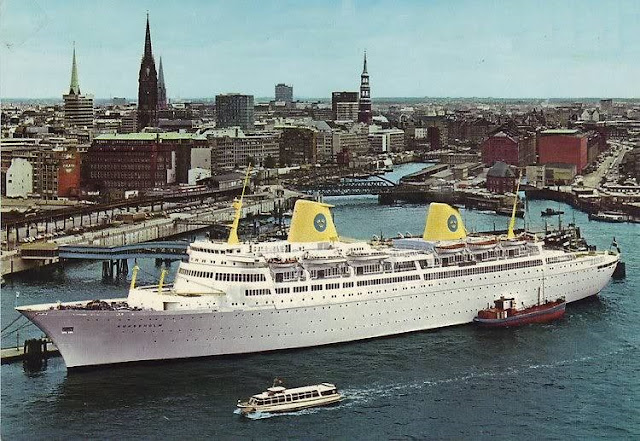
(88, 338)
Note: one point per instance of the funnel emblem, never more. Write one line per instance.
(320, 222)
(452, 223)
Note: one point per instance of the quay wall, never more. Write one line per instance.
(587, 205)
(149, 230)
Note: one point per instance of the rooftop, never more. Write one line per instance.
(148, 136)
(560, 132)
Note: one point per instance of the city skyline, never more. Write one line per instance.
(575, 49)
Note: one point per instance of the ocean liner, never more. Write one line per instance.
(316, 289)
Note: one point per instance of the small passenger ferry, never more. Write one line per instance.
(280, 399)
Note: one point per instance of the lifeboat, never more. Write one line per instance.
(513, 242)
(482, 243)
(450, 247)
(504, 313)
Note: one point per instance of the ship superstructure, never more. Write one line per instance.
(315, 289)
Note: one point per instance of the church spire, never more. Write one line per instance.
(75, 85)
(147, 86)
(364, 113)
(147, 41)
(162, 90)
(160, 74)
(364, 70)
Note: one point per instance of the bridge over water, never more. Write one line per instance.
(166, 250)
(344, 187)
(114, 259)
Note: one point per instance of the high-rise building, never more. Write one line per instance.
(344, 106)
(162, 90)
(78, 108)
(234, 109)
(284, 93)
(364, 113)
(230, 150)
(147, 86)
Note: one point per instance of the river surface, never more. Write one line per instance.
(578, 378)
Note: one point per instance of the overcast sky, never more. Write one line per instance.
(436, 48)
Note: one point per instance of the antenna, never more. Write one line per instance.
(237, 204)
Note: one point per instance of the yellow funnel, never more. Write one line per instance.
(312, 222)
(443, 223)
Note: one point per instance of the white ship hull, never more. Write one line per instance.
(91, 338)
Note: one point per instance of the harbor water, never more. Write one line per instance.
(577, 378)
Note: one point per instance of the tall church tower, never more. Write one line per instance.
(78, 108)
(147, 87)
(162, 90)
(364, 112)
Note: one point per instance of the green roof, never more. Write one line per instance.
(560, 132)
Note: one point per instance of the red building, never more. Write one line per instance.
(502, 178)
(69, 173)
(509, 146)
(137, 161)
(563, 146)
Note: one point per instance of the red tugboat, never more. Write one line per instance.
(505, 313)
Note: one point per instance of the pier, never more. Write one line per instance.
(147, 229)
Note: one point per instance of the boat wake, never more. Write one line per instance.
(264, 415)
(370, 395)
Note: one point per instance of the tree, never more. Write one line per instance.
(269, 162)
(251, 161)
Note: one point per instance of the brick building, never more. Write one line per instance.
(509, 146)
(138, 161)
(563, 146)
(502, 178)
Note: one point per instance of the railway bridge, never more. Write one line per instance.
(344, 187)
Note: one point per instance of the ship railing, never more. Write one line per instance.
(165, 287)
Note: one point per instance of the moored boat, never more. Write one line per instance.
(551, 212)
(608, 216)
(505, 313)
(242, 297)
(277, 398)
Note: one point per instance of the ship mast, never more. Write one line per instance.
(237, 204)
(512, 222)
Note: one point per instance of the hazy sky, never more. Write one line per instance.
(415, 48)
